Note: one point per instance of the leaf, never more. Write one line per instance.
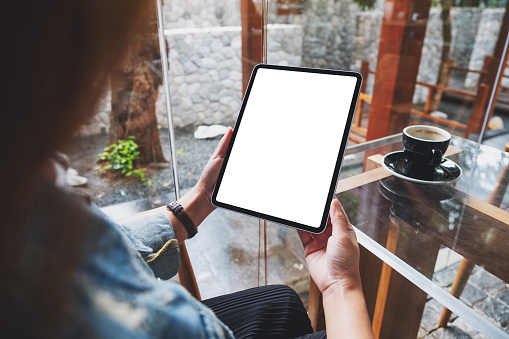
(121, 156)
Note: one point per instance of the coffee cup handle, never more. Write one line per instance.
(436, 156)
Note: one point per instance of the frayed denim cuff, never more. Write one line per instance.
(157, 232)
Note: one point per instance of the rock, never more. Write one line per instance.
(196, 99)
(208, 63)
(190, 67)
(503, 296)
(219, 12)
(495, 310)
(206, 132)
(487, 282)
(438, 114)
(496, 123)
(472, 295)
(450, 332)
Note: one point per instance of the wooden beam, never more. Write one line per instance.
(385, 277)
(315, 307)
(447, 122)
(290, 11)
(477, 114)
(251, 21)
(288, 2)
(497, 56)
(399, 55)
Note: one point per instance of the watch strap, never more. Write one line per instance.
(179, 212)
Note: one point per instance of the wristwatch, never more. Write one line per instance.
(181, 215)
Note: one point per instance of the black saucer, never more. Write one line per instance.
(445, 173)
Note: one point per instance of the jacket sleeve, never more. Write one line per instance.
(159, 247)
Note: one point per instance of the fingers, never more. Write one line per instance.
(348, 224)
(340, 222)
(222, 147)
(315, 241)
(305, 237)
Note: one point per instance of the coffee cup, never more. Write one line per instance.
(424, 147)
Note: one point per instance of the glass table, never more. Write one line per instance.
(402, 226)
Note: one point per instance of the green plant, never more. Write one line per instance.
(120, 158)
(365, 4)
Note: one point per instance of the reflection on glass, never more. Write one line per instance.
(423, 62)
(132, 173)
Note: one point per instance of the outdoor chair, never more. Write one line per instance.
(466, 267)
(479, 99)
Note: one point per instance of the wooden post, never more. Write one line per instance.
(466, 266)
(400, 303)
(357, 121)
(385, 277)
(251, 20)
(483, 77)
(315, 307)
(464, 271)
(186, 273)
(476, 119)
(365, 73)
(497, 55)
(399, 55)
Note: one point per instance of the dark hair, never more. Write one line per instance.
(55, 57)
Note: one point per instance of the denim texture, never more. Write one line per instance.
(113, 292)
(149, 235)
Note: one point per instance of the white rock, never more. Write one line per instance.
(496, 123)
(205, 132)
(438, 114)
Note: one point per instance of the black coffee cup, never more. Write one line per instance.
(424, 147)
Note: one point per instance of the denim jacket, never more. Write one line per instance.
(115, 289)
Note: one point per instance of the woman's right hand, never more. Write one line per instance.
(333, 261)
(333, 256)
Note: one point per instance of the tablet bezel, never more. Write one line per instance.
(339, 158)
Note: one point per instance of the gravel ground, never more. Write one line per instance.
(192, 155)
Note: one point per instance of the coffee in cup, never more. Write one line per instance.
(424, 148)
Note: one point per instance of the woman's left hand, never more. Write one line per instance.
(211, 171)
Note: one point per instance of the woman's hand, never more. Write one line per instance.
(197, 202)
(333, 261)
(211, 171)
(333, 256)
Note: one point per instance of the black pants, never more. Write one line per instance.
(273, 311)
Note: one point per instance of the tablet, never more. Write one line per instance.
(283, 161)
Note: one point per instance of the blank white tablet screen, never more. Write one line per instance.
(287, 144)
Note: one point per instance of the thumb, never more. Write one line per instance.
(339, 219)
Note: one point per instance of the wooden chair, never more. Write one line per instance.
(466, 267)
(480, 98)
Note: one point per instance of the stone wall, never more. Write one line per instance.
(206, 71)
(474, 34)
(204, 39)
(485, 41)
(201, 13)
